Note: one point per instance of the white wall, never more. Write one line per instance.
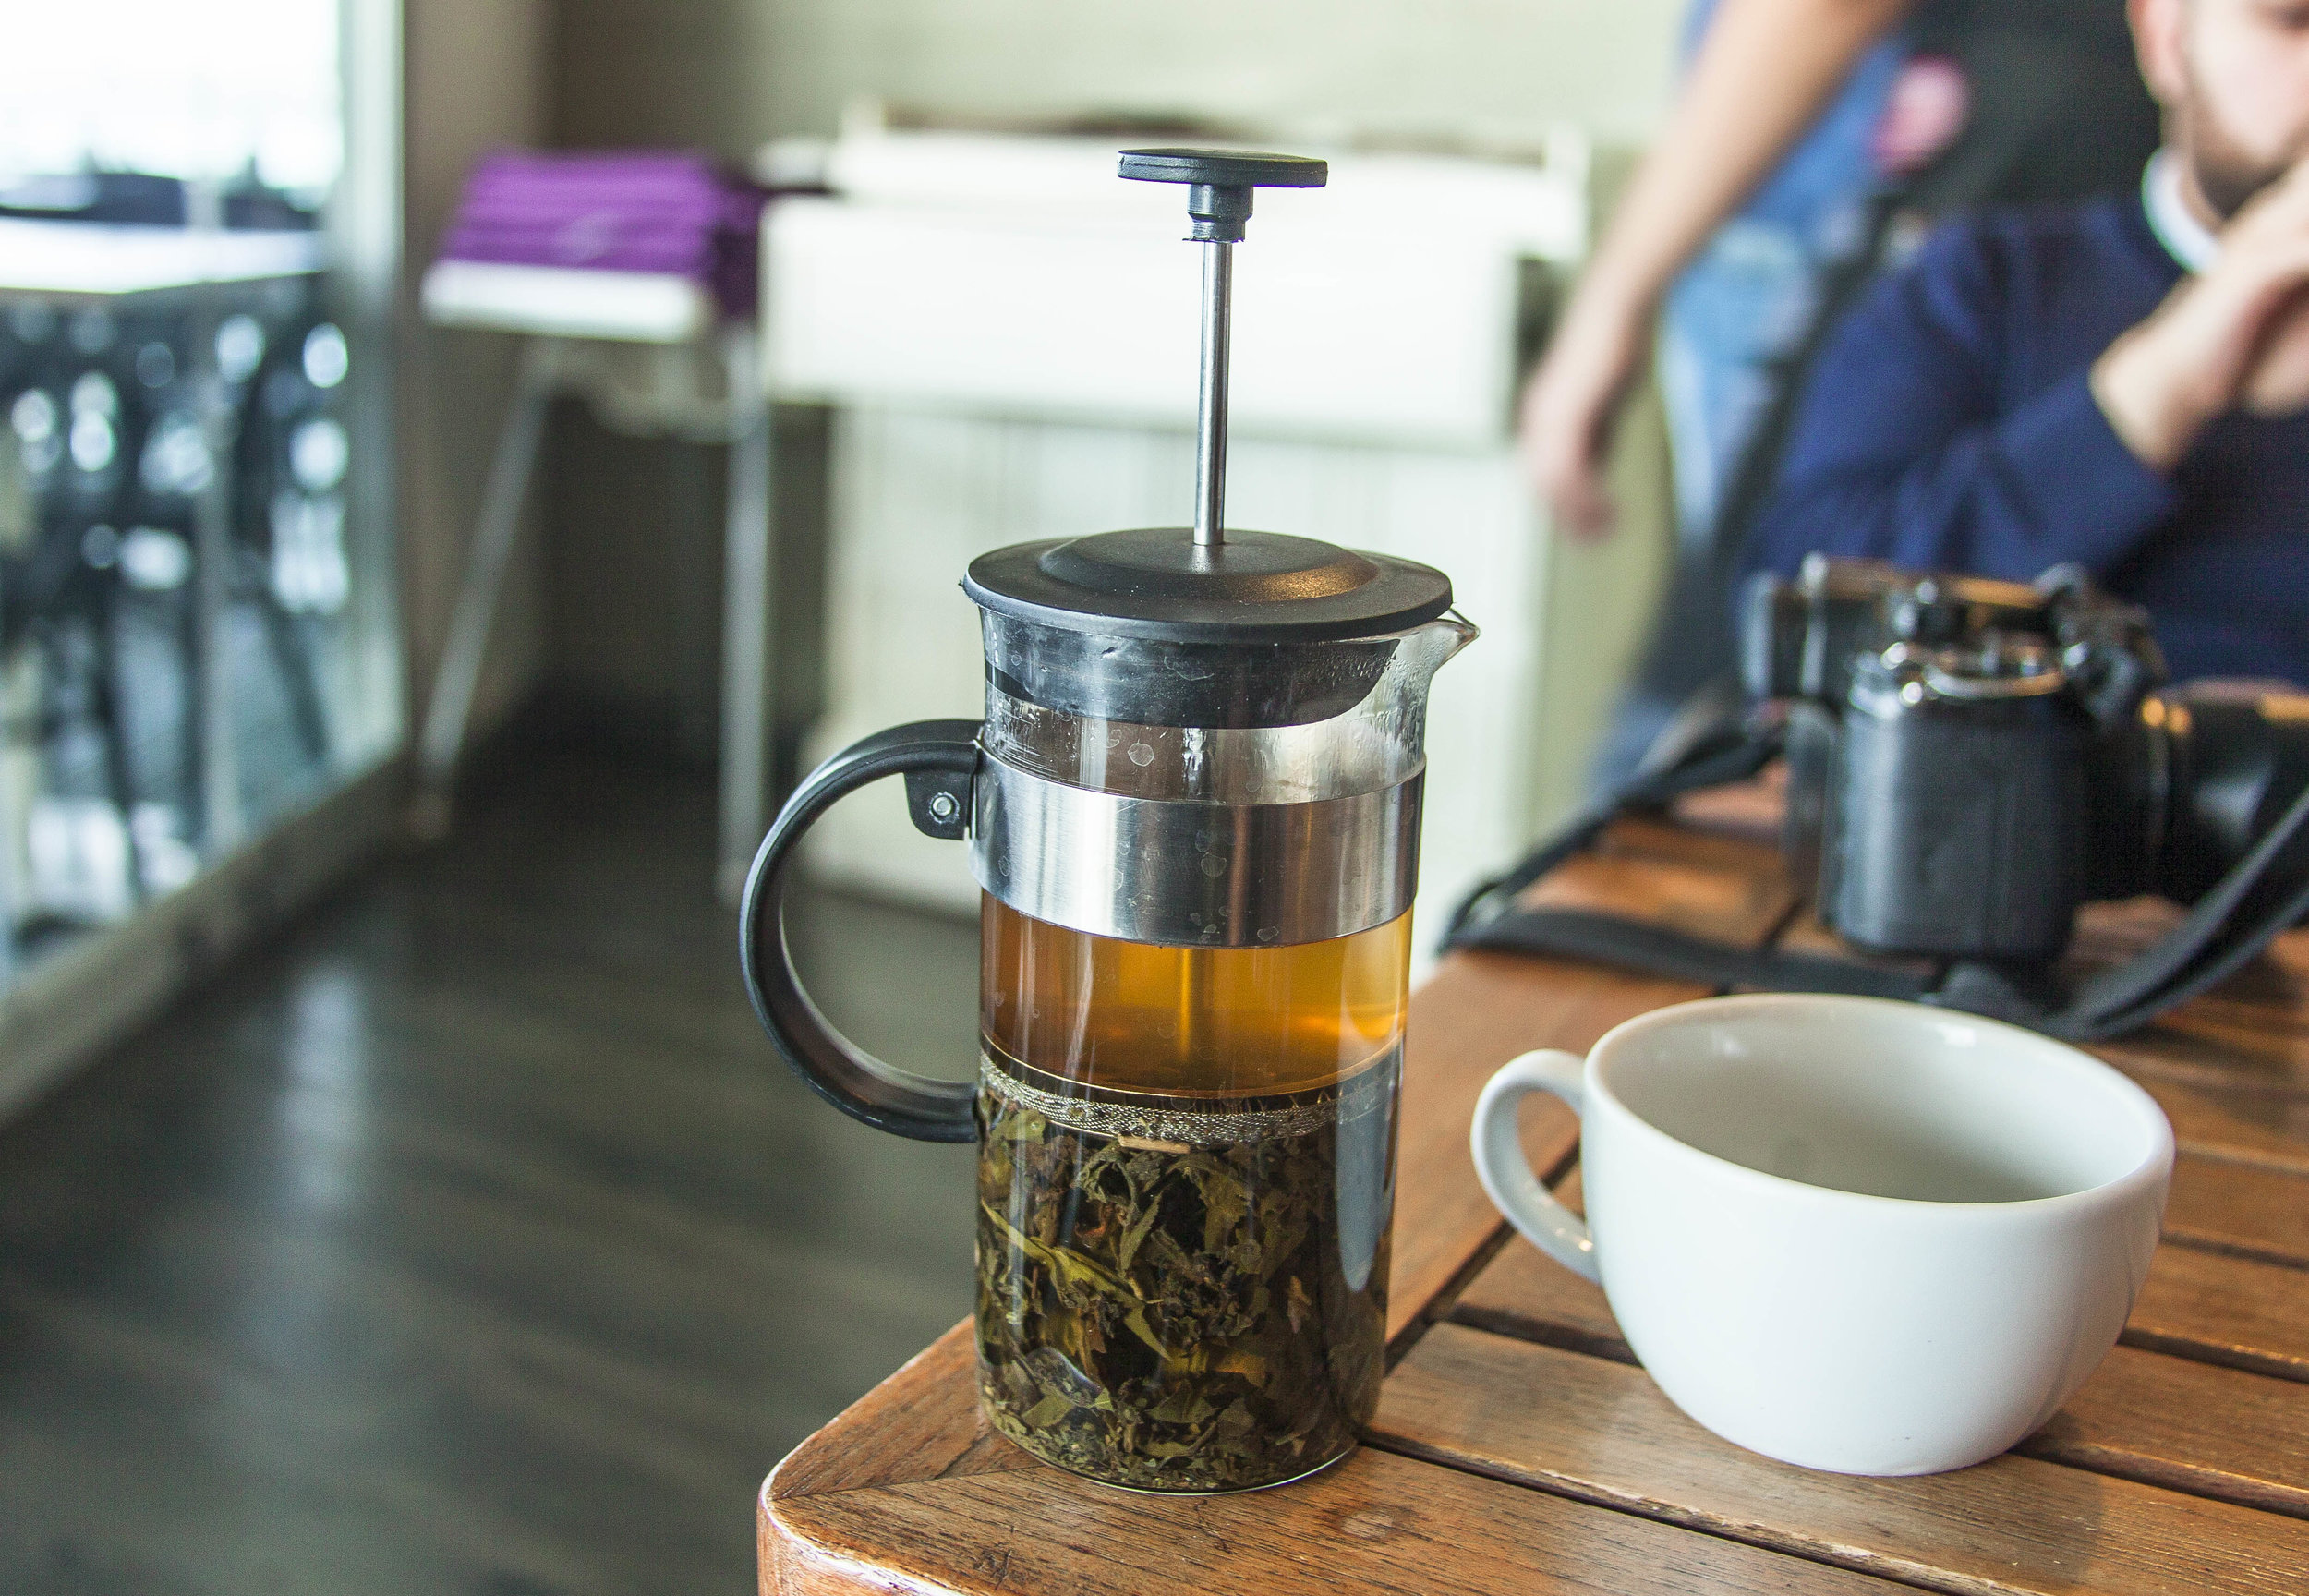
(1449, 65)
(728, 73)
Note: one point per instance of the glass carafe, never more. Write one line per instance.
(1187, 1114)
(1193, 809)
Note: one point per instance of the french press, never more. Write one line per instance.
(1193, 809)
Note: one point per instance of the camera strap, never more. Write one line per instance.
(2244, 912)
(1713, 755)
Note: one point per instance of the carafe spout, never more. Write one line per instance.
(1428, 649)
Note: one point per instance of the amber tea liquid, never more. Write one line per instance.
(1186, 1182)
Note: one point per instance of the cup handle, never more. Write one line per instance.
(939, 759)
(1507, 1174)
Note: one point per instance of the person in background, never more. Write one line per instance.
(1778, 107)
(1807, 118)
(2123, 383)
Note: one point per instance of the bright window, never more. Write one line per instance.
(200, 89)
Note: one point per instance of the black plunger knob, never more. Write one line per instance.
(1220, 181)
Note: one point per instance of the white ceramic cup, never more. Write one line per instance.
(1868, 1236)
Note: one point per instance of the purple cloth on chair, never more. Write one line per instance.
(624, 211)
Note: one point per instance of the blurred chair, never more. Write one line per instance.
(631, 279)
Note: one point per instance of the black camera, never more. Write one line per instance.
(1970, 760)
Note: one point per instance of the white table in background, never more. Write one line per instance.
(634, 345)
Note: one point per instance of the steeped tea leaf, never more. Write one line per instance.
(1180, 1317)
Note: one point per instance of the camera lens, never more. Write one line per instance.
(2238, 756)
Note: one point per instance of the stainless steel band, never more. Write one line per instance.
(1195, 875)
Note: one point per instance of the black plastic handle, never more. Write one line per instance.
(839, 1070)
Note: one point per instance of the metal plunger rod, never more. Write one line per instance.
(1218, 201)
(1210, 460)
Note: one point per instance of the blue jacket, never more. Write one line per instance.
(1947, 425)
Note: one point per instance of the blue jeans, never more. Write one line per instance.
(1750, 296)
(1729, 326)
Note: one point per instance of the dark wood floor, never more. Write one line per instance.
(469, 1239)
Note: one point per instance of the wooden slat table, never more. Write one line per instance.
(1518, 1447)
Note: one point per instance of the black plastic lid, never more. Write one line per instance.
(1155, 583)
(1225, 168)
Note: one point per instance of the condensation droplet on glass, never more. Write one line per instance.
(326, 357)
(239, 346)
(92, 442)
(95, 394)
(33, 415)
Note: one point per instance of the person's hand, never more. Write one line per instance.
(2235, 338)
(1570, 406)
